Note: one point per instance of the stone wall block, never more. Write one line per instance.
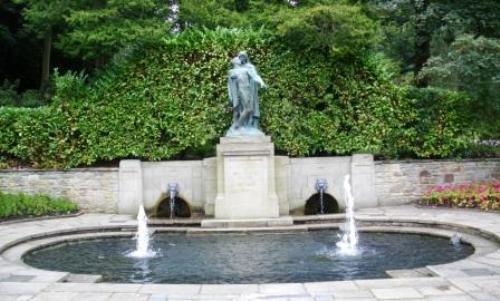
(418, 176)
(363, 181)
(187, 175)
(93, 189)
(130, 186)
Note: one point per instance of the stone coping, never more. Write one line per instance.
(75, 169)
(38, 218)
(474, 278)
(15, 253)
(465, 160)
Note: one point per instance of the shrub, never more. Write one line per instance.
(167, 99)
(32, 99)
(10, 98)
(40, 137)
(338, 30)
(441, 124)
(471, 65)
(483, 195)
(8, 93)
(23, 205)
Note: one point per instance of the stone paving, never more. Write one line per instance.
(474, 278)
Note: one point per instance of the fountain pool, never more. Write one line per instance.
(248, 257)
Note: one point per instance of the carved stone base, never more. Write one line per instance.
(245, 178)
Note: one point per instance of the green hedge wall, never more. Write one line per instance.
(168, 99)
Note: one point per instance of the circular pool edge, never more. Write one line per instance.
(472, 236)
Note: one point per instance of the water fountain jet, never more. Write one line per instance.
(321, 186)
(172, 190)
(142, 237)
(456, 239)
(348, 245)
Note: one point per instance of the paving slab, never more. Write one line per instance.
(452, 298)
(91, 297)
(95, 287)
(20, 288)
(323, 298)
(283, 289)
(401, 282)
(464, 284)
(128, 297)
(11, 297)
(352, 294)
(171, 289)
(484, 296)
(322, 287)
(397, 293)
(160, 297)
(231, 289)
(443, 290)
(55, 296)
(24, 298)
(299, 298)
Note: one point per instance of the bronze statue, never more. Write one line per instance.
(243, 85)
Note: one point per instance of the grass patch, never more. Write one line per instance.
(23, 205)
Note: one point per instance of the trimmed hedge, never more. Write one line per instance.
(23, 205)
(168, 99)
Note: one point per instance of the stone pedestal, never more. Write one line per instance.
(245, 179)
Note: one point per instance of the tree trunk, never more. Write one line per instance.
(47, 48)
(422, 41)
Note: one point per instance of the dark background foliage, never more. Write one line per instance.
(142, 79)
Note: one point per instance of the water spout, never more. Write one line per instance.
(456, 239)
(321, 185)
(348, 245)
(142, 237)
(172, 190)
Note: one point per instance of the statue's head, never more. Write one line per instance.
(236, 61)
(243, 55)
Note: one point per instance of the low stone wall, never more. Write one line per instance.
(93, 189)
(399, 182)
(394, 182)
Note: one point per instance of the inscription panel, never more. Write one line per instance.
(245, 175)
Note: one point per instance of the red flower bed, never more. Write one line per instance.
(483, 195)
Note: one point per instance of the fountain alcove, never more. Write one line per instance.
(318, 204)
(294, 178)
(163, 208)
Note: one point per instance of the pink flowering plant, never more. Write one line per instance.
(483, 195)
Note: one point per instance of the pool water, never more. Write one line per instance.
(247, 258)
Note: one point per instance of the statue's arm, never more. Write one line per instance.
(256, 77)
(231, 89)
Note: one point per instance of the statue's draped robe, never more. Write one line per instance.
(243, 85)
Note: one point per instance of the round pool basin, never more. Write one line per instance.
(247, 257)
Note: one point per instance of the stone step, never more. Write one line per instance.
(253, 222)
